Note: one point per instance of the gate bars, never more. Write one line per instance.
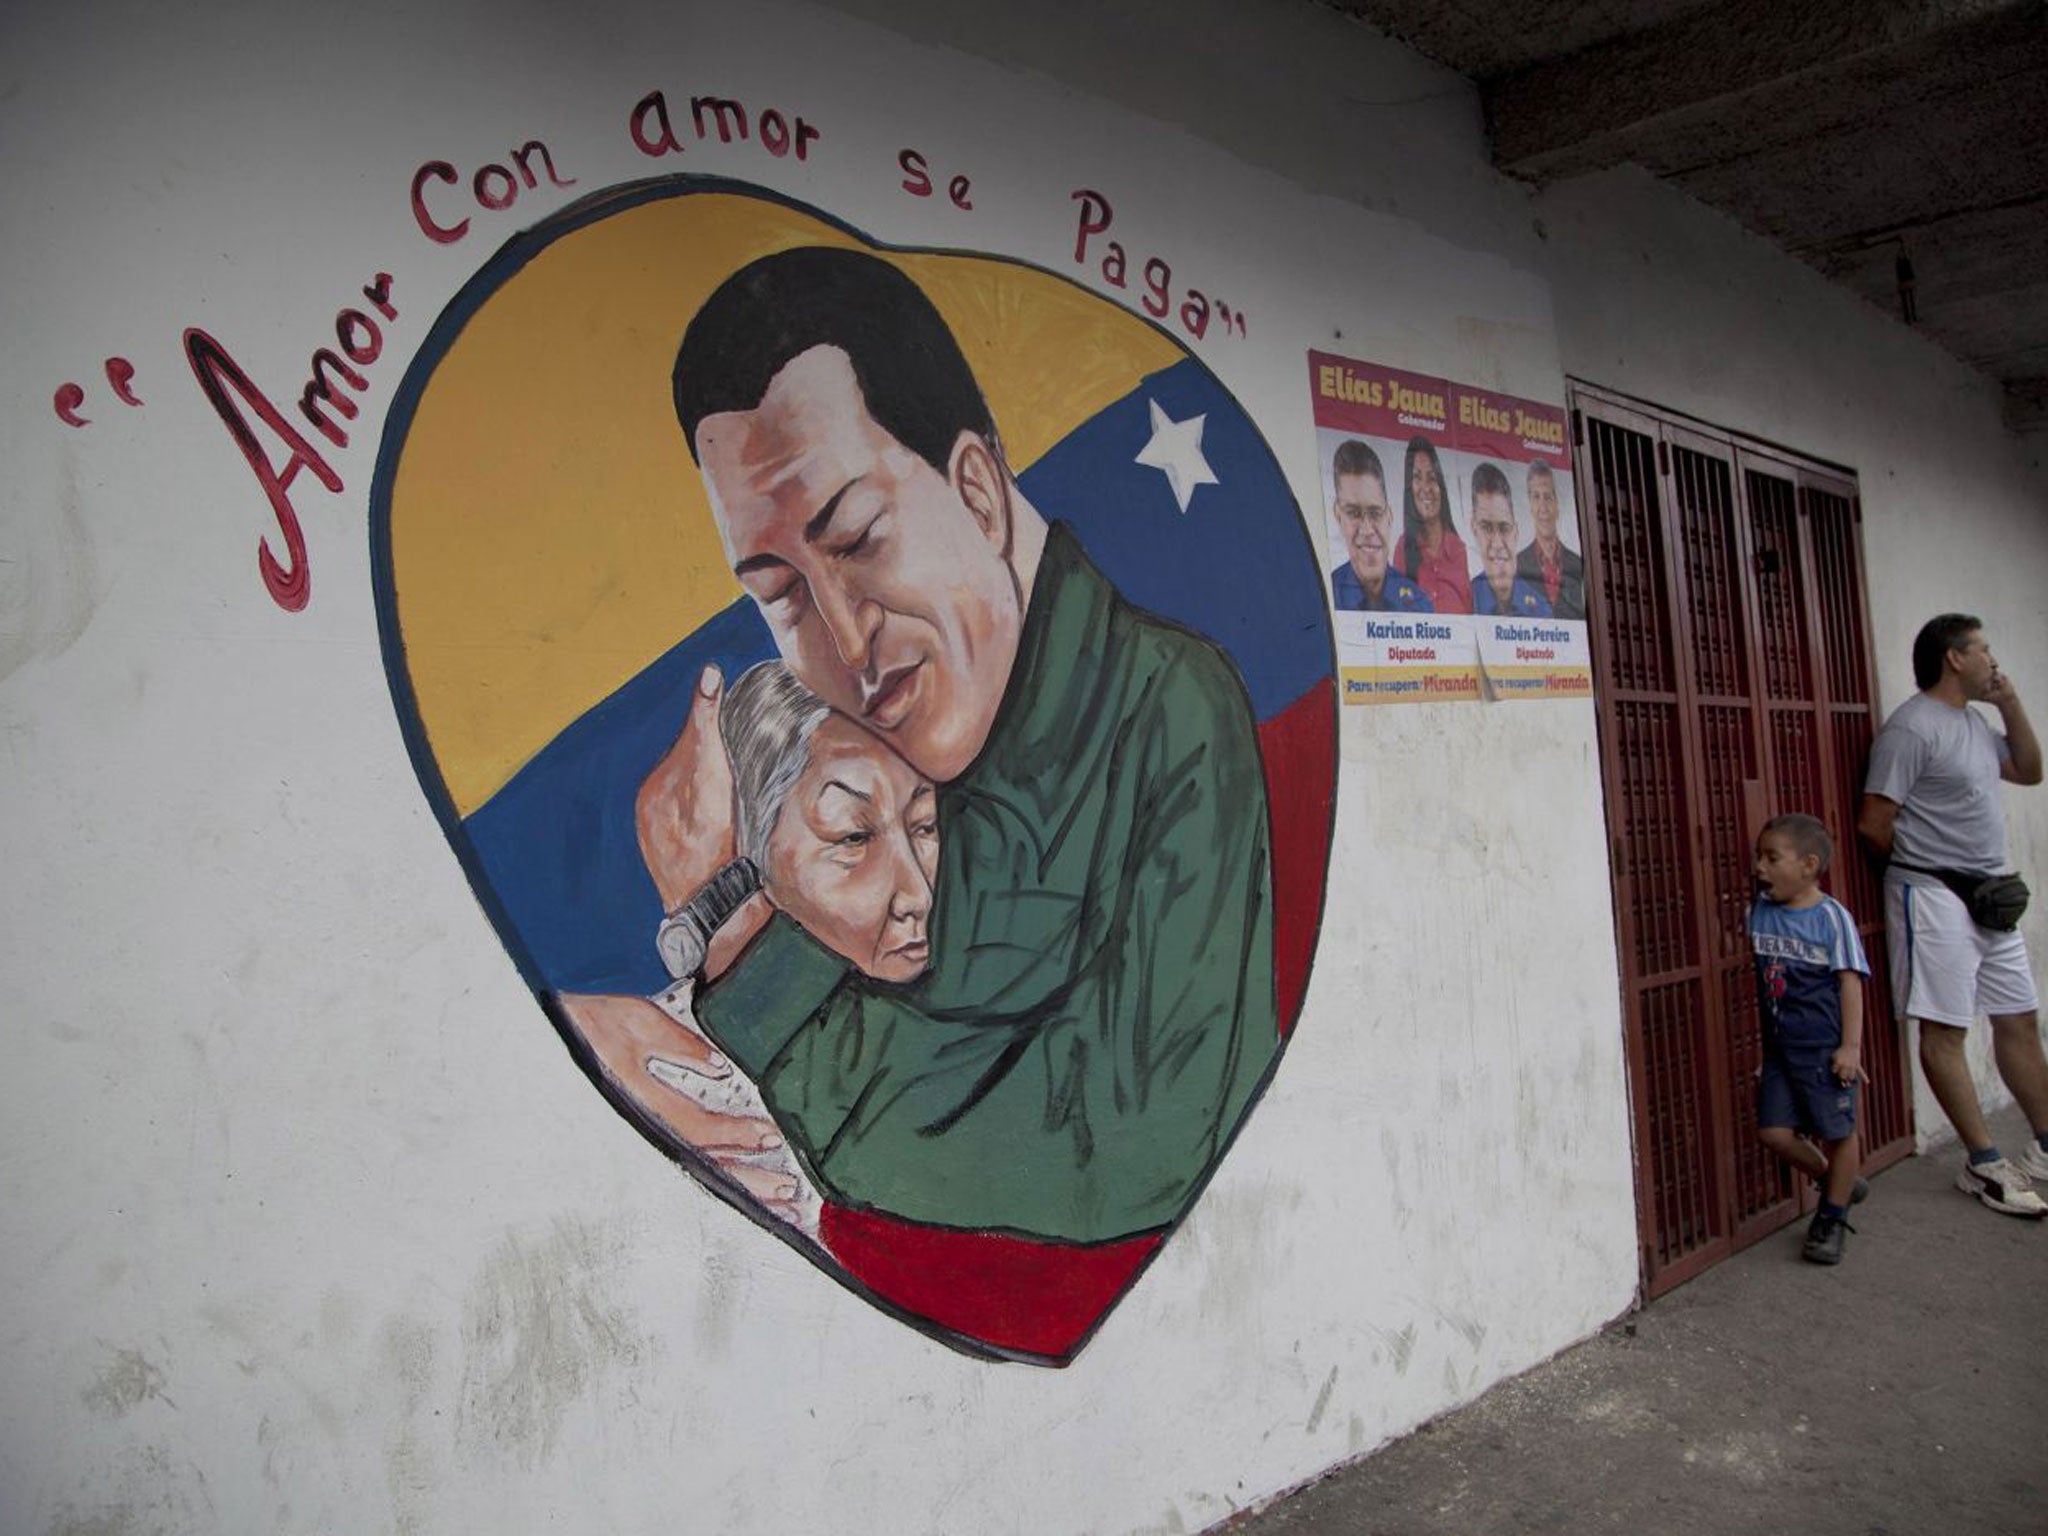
(1731, 657)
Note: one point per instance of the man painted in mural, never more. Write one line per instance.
(1365, 583)
(1546, 564)
(1100, 1007)
(1497, 589)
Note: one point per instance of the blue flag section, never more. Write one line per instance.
(556, 844)
(1236, 566)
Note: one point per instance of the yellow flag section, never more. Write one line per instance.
(550, 536)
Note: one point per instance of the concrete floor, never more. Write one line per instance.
(1904, 1392)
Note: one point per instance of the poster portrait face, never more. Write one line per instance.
(878, 544)
(1493, 534)
(1426, 483)
(1543, 507)
(1367, 523)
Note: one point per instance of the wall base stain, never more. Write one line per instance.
(538, 1333)
(1315, 1417)
(129, 1381)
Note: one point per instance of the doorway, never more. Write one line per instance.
(1732, 673)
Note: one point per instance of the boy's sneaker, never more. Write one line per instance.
(1824, 1239)
(2002, 1187)
(2033, 1162)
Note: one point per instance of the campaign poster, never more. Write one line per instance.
(1397, 574)
(1528, 574)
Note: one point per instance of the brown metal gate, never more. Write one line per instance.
(1731, 660)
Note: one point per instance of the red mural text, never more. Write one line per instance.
(69, 396)
(67, 400)
(243, 408)
(363, 343)
(917, 181)
(120, 374)
(493, 186)
(653, 130)
(1196, 309)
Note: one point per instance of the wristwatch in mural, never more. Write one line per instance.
(685, 934)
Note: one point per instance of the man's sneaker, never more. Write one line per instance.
(2033, 1162)
(1824, 1239)
(2002, 1187)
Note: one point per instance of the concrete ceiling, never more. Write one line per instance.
(1849, 132)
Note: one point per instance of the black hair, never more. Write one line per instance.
(1355, 458)
(1411, 524)
(1807, 835)
(1489, 480)
(912, 375)
(1941, 634)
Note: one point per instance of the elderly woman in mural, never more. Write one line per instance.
(833, 828)
(1430, 553)
(839, 834)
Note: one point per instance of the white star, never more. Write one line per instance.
(1176, 451)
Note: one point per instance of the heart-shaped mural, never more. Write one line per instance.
(885, 701)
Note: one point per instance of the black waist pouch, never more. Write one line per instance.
(1996, 902)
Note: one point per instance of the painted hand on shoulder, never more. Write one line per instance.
(683, 812)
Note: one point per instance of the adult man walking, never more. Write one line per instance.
(1931, 805)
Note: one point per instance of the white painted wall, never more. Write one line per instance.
(310, 1223)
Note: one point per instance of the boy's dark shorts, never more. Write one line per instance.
(1801, 1091)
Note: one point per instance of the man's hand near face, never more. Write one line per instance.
(2025, 766)
(683, 816)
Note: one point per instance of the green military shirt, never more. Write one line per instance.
(1100, 1004)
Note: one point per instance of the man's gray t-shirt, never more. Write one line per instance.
(1941, 764)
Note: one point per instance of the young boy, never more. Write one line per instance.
(1809, 982)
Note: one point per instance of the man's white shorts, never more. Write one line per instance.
(1944, 967)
